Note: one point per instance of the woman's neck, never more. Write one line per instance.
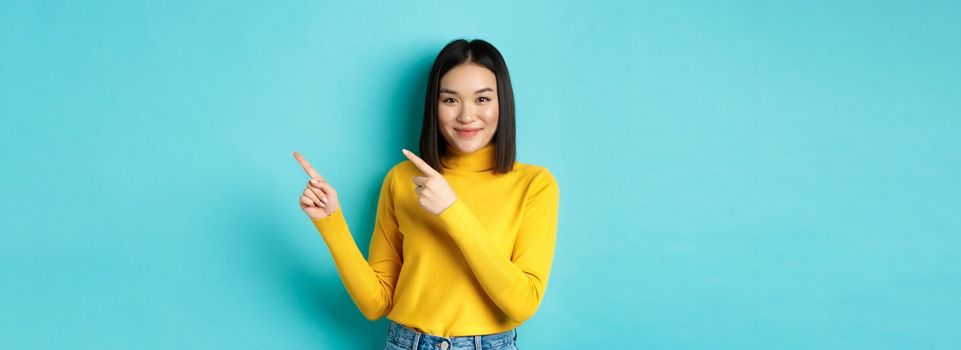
(479, 160)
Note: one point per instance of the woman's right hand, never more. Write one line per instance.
(319, 199)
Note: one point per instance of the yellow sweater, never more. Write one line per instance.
(479, 267)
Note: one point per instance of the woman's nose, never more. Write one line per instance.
(466, 114)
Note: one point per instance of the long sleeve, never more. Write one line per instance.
(517, 285)
(370, 283)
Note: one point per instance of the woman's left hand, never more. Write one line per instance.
(434, 191)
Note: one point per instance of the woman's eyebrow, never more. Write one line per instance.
(449, 91)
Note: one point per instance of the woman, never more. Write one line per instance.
(464, 237)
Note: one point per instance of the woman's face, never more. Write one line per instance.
(467, 106)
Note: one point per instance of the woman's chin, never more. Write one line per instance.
(463, 148)
(468, 146)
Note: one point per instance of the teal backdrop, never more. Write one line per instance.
(736, 175)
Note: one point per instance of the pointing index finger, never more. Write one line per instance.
(419, 163)
(307, 168)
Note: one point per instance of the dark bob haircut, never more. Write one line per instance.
(433, 146)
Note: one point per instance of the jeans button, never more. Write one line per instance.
(443, 345)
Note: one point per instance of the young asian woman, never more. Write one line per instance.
(464, 234)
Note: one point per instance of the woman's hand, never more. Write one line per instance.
(319, 199)
(434, 191)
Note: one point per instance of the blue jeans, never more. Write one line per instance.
(400, 337)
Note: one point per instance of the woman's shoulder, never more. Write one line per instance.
(403, 167)
(539, 179)
(529, 169)
(403, 170)
(536, 175)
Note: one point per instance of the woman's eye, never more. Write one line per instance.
(483, 99)
(448, 100)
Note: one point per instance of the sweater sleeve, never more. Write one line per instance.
(517, 285)
(370, 283)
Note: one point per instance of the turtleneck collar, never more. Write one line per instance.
(480, 160)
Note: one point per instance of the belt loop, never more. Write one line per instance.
(477, 343)
(416, 340)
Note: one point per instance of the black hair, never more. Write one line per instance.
(432, 142)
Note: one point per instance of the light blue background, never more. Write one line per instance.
(749, 175)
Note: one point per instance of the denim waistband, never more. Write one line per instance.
(410, 338)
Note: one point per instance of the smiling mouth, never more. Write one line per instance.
(466, 132)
